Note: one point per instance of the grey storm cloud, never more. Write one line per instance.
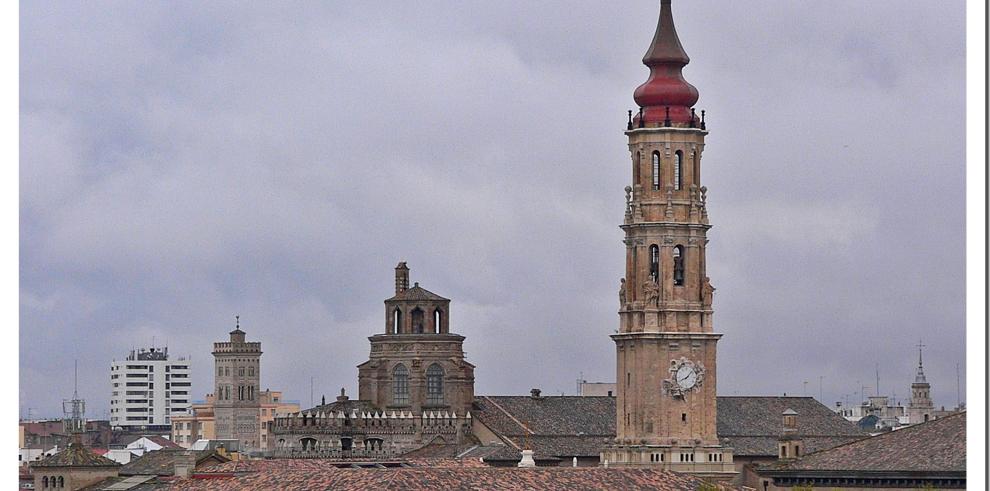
(184, 162)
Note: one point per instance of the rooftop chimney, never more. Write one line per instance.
(401, 278)
(789, 443)
(535, 394)
(184, 464)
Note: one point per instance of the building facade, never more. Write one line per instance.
(416, 389)
(666, 343)
(237, 375)
(199, 423)
(148, 389)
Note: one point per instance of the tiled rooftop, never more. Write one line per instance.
(569, 426)
(447, 478)
(75, 455)
(751, 425)
(936, 446)
(418, 293)
(162, 462)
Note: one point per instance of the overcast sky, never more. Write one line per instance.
(185, 162)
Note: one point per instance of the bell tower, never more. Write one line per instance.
(666, 344)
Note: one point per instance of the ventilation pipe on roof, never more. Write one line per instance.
(527, 459)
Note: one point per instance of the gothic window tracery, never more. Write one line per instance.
(400, 385)
(434, 385)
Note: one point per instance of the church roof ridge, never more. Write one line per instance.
(417, 292)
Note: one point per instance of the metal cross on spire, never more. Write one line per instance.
(920, 345)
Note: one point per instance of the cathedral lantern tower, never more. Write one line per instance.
(417, 365)
(666, 344)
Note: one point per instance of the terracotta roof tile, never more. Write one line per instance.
(75, 455)
(448, 478)
(581, 426)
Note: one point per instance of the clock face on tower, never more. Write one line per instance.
(685, 376)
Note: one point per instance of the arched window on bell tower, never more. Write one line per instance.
(397, 321)
(437, 321)
(679, 265)
(678, 174)
(656, 171)
(636, 165)
(417, 321)
(654, 262)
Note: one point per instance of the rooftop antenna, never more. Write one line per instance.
(958, 390)
(878, 379)
(74, 410)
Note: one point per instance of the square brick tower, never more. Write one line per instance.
(237, 365)
(666, 345)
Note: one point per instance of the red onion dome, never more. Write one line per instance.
(666, 87)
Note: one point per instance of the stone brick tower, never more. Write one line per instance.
(666, 345)
(921, 409)
(237, 373)
(417, 365)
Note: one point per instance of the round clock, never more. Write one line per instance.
(686, 377)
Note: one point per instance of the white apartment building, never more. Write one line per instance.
(147, 389)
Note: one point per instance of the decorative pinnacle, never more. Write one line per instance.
(920, 377)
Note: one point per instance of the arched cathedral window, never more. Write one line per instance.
(679, 265)
(678, 184)
(434, 385)
(397, 322)
(654, 262)
(656, 171)
(400, 385)
(437, 321)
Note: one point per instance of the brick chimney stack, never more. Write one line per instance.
(401, 278)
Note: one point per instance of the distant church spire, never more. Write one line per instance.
(666, 96)
(920, 377)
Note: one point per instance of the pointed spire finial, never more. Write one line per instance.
(666, 86)
(919, 378)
